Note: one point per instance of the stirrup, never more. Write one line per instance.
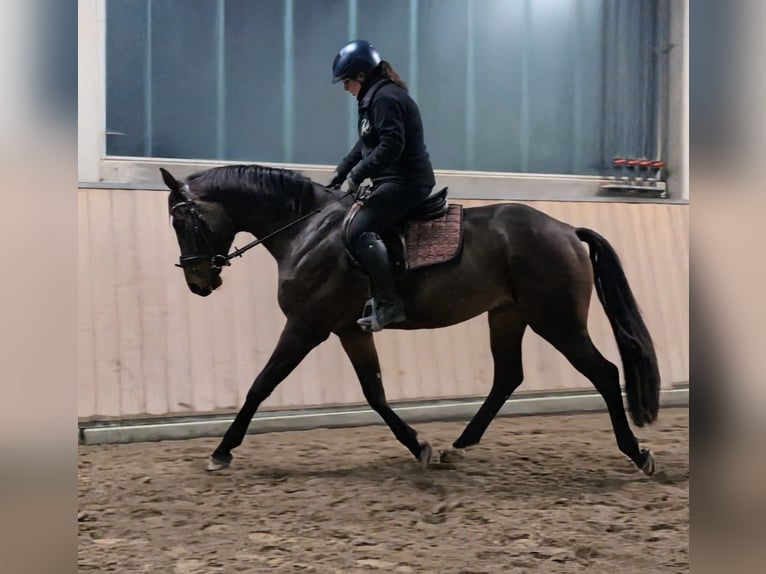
(369, 309)
(374, 321)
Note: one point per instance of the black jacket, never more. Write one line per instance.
(390, 146)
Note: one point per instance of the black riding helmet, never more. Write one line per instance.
(358, 56)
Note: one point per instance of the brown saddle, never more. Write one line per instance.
(430, 235)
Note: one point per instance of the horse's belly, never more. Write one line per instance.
(435, 306)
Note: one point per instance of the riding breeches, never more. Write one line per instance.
(387, 205)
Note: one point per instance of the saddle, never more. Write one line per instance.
(431, 234)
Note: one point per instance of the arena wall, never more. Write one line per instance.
(148, 347)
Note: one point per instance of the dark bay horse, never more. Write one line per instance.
(518, 265)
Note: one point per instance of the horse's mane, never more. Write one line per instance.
(252, 181)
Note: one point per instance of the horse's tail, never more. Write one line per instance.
(639, 361)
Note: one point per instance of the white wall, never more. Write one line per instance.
(147, 345)
(91, 84)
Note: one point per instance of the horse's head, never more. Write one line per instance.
(204, 232)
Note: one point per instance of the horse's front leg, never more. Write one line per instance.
(295, 342)
(360, 348)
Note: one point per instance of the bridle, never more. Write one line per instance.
(202, 231)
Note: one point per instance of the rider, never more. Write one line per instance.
(391, 152)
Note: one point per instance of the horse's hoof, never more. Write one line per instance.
(452, 455)
(214, 464)
(425, 454)
(648, 466)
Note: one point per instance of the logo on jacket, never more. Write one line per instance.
(364, 129)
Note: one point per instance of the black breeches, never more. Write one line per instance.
(388, 205)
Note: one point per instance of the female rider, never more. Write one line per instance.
(392, 153)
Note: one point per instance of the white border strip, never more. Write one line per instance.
(211, 426)
(208, 163)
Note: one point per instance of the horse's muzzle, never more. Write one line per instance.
(202, 292)
(205, 288)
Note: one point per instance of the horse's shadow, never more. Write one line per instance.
(445, 478)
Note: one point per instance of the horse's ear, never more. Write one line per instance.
(170, 181)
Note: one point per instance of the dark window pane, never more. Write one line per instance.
(125, 78)
(320, 121)
(184, 79)
(550, 86)
(255, 73)
(441, 82)
(501, 136)
(386, 25)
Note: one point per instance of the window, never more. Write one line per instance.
(540, 86)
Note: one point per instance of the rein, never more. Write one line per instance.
(217, 261)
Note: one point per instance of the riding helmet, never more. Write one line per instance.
(358, 56)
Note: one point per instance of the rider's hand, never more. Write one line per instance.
(335, 182)
(352, 185)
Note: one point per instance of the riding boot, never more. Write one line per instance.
(386, 307)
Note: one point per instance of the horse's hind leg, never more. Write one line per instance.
(575, 344)
(360, 348)
(506, 331)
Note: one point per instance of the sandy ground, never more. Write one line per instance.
(540, 494)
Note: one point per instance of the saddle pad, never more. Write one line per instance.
(435, 241)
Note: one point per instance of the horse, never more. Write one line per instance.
(517, 264)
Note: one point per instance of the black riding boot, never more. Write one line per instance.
(386, 305)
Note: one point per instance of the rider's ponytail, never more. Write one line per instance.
(389, 71)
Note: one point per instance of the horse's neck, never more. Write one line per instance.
(280, 228)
